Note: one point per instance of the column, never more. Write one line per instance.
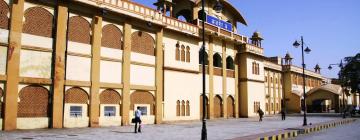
(12, 69)
(236, 61)
(224, 94)
(59, 67)
(126, 74)
(95, 71)
(159, 77)
(211, 78)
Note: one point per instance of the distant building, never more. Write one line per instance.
(89, 63)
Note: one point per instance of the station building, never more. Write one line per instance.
(90, 63)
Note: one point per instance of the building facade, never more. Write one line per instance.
(89, 63)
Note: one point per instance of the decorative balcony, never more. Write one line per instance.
(142, 12)
(222, 32)
(249, 48)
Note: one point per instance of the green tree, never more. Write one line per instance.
(349, 76)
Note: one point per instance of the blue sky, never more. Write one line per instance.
(331, 28)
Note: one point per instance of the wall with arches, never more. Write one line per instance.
(110, 98)
(179, 86)
(4, 26)
(33, 107)
(171, 40)
(37, 34)
(76, 97)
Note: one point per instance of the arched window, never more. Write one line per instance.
(183, 108)
(143, 97)
(34, 102)
(177, 108)
(217, 60)
(183, 53)
(187, 54)
(76, 95)
(230, 63)
(111, 37)
(177, 52)
(201, 58)
(110, 96)
(187, 108)
(79, 30)
(38, 21)
(4, 19)
(142, 42)
(184, 15)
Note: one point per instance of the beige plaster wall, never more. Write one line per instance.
(170, 40)
(107, 120)
(142, 75)
(181, 86)
(78, 68)
(138, 57)
(4, 36)
(70, 122)
(256, 93)
(111, 53)
(110, 72)
(218, 85)
(3, 57)
(32, 123)
(37, 41)
(230, 86)
(35, 64)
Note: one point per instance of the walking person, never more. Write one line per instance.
(261, 114)
(282, 114)
(137, 120)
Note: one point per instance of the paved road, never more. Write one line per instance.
(217, 130)
(343, 132)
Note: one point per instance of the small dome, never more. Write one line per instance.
(288, 56)
(256, 35)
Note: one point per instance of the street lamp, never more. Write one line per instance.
(307, 50)
(218, 8)
(341, 66)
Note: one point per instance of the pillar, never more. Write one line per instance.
(59, 67)
(159, 77)
(236, 83)
(13, 62)
(211, 78)
(126, 74)
(95, 71)
(224, 75)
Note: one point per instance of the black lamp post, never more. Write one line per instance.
(307, 50)
(218, 8)
(341, 66)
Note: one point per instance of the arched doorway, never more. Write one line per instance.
(146, 102)
(218, 107)
(230, 107)
(33, 107)
(110, 108)
(76, 108)
(201, 107)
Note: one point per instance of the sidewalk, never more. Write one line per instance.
(217, 130)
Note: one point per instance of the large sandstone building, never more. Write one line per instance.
(89, 63)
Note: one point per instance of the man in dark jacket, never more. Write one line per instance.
(261, 114)
(282, 114)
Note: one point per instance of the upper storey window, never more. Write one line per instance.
(255, 68)
(217, 60)
(201, 58)
(142, 42)
(182, 53)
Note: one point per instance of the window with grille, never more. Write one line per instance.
(75, 111)
(109, 111)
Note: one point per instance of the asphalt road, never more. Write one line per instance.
(344, 132)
